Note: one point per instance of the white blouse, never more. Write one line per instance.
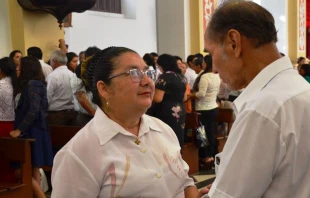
(6, 100)
(103, 160)
(208, 88)
(79, 88)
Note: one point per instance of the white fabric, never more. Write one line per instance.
(223, 91)
(103, 154)
(208, 88)
(190, 76)
(79, 88)
(59, 91)
(158, 73)
(267, 153)
(43, 183)
(47, 69)
(6, 100)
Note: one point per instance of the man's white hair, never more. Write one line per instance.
(60, 57)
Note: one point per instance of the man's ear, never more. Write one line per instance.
(233, 42)
(103, 90)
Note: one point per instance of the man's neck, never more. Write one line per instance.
(259, 59)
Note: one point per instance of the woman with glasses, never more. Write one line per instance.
(121, 152)
(170, 95)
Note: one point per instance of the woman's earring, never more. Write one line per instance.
(107, 108)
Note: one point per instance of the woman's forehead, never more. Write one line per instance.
(130, 61)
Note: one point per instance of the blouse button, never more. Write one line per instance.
(143, 150)
(158, 175)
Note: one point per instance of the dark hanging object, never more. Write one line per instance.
(58, 8)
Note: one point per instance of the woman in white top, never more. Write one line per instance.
(8, 80)
(206, 89)
(121, 152)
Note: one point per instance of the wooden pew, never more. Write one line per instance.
(17, 150)
(226, 116)
(61, 135)
(189, 151)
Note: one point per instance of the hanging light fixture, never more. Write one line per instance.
(58, 8)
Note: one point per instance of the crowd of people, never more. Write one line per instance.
(133, 111)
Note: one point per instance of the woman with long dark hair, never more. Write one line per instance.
(30, 121)
(73, 61)
(8, 89)
(169, 95)
(8, 82)
(206, 88)
(15, 56)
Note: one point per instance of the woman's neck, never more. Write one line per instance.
(128, 122)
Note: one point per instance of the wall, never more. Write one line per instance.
(5, 29)
(33, 29)
(278, 8)
(43, 33)
(103, 30)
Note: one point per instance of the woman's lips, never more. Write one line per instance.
(146, 93)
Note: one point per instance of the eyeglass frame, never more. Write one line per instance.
(128, 73)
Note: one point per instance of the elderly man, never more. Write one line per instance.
(267, 153)
(59, 92)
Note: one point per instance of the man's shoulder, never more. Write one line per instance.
(280, 95)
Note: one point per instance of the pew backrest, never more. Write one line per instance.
(17, 150)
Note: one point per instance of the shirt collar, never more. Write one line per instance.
(261, 80)
(106, 128)
(61, 67)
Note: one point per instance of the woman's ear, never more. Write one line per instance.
(103, 90)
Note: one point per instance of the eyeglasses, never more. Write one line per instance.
(136, 75)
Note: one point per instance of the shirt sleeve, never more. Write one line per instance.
(71, 178)
(34, 107)
(51, 86)
(162, 82)
(77, 85)
(250, 158)
(202, 86)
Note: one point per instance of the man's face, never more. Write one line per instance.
(191, 63)
(226, 63)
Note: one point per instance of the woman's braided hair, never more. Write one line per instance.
(100, 68)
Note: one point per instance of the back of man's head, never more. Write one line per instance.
(154, 54)
(58, 58)
(35, 52)
(248, 18)
(91, 51)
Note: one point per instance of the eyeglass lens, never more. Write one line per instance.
(136, 75)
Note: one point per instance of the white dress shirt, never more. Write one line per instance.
(223, 91)
(59, 91)
(103, 160)
(79, 88)
(6, 100)
(208, 88)
(47, 69)
(267, 153)
(190, 76)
